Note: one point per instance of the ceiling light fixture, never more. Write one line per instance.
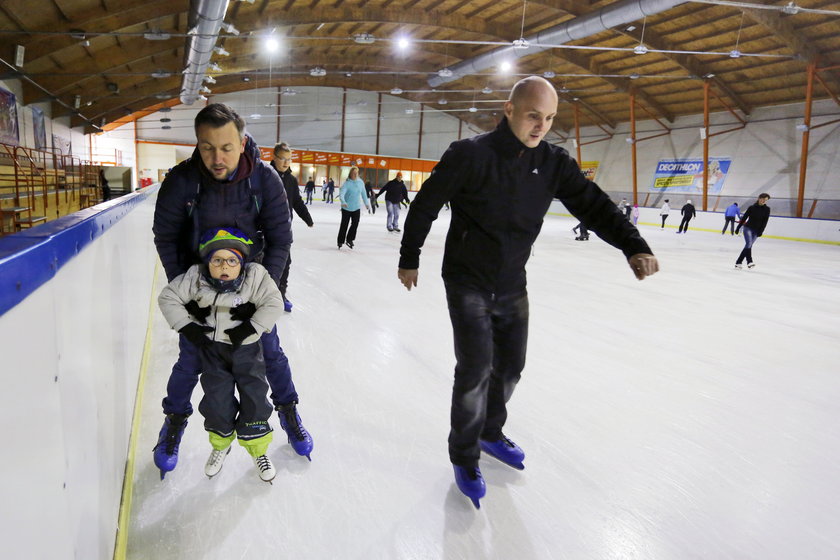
(156, 35)
(473, 109)
(521, 43)
(161, 74)
(364, 38)
(548, 74)
(486, 90)
(640, 49)
(317, 72)
(445, 73)
(735, 53)
(396, 91)
(230, 28)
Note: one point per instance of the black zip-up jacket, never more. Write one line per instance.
(290, 183)
(688, 211)
(500, 191)
(395, 191)
(191, 201)
(756, 218)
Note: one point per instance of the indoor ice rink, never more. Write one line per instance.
(694, 415)
(690, 415)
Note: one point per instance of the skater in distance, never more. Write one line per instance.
(280, 163)
(223, 306)
(493, 226)
(224, 182)
(395, 194)
(754, 221)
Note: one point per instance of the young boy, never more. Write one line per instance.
(223, 306)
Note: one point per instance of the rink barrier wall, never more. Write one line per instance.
(779, 227)
(75, 295)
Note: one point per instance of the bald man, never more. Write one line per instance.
(499, 186)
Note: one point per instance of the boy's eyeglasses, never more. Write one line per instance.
(218, 261)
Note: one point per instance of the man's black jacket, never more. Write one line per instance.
(395, 191)
(499, 192)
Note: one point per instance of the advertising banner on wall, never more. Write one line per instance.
(588, 168)
(686, 175)
(39, 128)
(8, 118)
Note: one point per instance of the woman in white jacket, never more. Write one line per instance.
(664, 212)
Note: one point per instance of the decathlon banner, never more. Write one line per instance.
(686, 175)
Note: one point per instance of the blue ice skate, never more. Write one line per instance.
(287, 305)
(299, 438)
(470, 483)
(505, 451)
(169, 439)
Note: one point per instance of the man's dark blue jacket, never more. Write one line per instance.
(191, 201)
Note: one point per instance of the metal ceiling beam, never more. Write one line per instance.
(572, 30)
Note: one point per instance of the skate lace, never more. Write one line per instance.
(507, 441)
(263, 463)
(294, 426)
(217, 456)
(171, 439)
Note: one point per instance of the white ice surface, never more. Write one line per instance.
(695, 414)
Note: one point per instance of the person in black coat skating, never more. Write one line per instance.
(280, 163)
(753, 221)
(500, 186)
(687, 212)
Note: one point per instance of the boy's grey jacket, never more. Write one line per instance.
(257, 287)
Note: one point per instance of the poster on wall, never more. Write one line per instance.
(62, 146)
(589, 168)
(8, 118)
(686, 175)
(39, 128)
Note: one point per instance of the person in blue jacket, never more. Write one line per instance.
(351, 195)
(731, 214)
(223, 184)
(500, 186)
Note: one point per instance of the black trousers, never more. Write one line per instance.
(729, 222)
(226, 369)
(491, 338)
(353, 219)
(684, 224)
(284, 278)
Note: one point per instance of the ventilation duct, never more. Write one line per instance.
(207, 16)
(572, 30)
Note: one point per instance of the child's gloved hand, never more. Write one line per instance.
(239, 333)
(198, 313)
(195, 333)
(243, 311)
